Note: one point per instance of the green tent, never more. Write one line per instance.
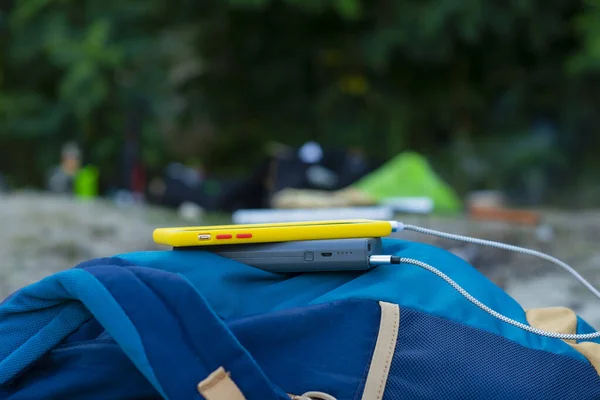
(409, 175)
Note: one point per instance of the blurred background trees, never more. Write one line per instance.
(498, 94)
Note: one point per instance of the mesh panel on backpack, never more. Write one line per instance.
(437, 358)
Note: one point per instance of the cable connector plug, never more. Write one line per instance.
(384, 260)
(397, 226)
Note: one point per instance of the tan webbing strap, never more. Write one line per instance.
(564, 320)
(219, 386)
(383, 353)
(553, 319)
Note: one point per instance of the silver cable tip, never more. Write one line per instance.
(380, 260)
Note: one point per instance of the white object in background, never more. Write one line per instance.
(124, 198)
(190, 211)
(310, 153)
(545, 233)
(412, 205)
(260, 216)
(322, 177)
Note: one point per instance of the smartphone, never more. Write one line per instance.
(272, 232)
(303, 256)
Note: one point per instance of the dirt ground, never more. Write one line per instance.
(42, 234)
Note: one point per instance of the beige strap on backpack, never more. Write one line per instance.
(564, 320)
(385, 346)
(220, 386)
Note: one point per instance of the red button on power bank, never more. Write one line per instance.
(243, 235)
(224, 236)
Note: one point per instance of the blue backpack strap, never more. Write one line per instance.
(160, 321)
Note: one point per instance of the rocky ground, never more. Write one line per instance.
(42, 234)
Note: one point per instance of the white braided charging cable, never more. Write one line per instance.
(468, 296)
(503, 246)
(565, 336)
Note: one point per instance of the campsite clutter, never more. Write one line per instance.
(290, 184)
(71, 176)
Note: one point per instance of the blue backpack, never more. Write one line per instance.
(192, 325)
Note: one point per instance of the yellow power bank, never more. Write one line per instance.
(272, 232)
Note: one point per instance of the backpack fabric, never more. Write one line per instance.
(192, 325)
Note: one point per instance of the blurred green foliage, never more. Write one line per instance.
(216, 79)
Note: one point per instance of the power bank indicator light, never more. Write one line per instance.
(204, 237)
(243, 235)
(224, 236)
